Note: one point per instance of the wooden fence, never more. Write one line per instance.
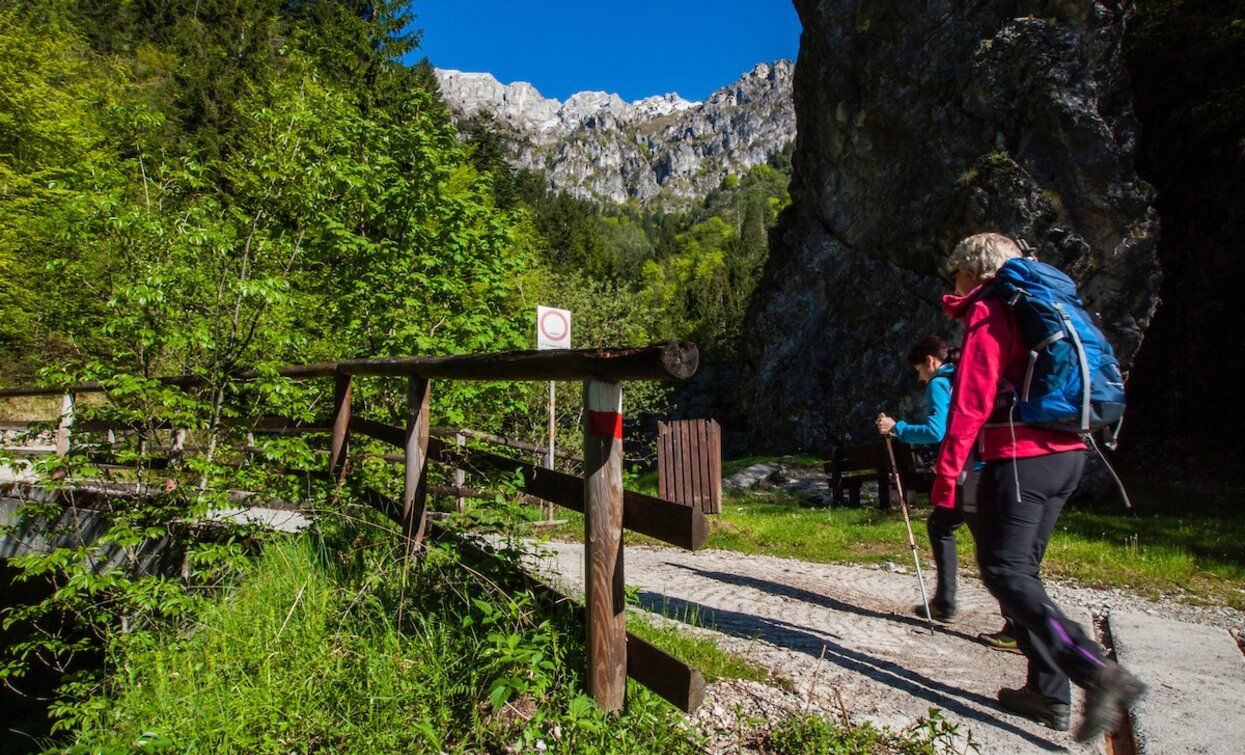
(689, 463)
(613, 653)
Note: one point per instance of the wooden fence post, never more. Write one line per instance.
(414, 492)
(338, 446)
(63, 429)
(177, 452)
(460, 476)
(603, 549)
(65, 425)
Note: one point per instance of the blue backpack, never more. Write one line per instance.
(1073, 381)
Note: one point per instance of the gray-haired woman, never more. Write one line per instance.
(1028, 475)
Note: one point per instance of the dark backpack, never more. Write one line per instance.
(1073, 381)
(924, 456)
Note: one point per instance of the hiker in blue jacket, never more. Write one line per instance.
(934, 365)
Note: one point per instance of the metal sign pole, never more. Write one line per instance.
(553, 331)
(552, 428)
(549, 452)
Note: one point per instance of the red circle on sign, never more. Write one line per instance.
(556, 330)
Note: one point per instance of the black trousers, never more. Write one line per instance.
(941, 526)
(970, 519)
(1018, 502)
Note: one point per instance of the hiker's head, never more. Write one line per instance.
(977, 258)
(927, 356)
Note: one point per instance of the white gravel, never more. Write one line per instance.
(846, 640)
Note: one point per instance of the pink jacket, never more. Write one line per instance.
(993, 353)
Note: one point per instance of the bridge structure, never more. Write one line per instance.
(79, 507)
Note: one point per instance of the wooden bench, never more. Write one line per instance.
(849, 467)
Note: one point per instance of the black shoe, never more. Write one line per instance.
(1113, 691)
(936, 612)
(1048, 711)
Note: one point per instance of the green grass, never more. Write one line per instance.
(329, 646)
(809, 734)
(1152, 552)
(698, 652)
(1178, 542)
(775, 525)
(1201, 558)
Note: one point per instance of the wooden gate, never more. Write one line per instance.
(689, 463)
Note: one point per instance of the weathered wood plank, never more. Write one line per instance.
(655, 517)
(339, 446)
(666, 361)
(414, 491)
(671, 679)
(605, 592)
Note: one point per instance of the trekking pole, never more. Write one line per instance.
(903, 506)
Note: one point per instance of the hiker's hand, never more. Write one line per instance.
(885, 424)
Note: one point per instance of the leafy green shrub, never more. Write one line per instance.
(809, 734)
(333, 642)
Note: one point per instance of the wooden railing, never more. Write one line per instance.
(613, 653)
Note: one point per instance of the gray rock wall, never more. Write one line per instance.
(919, 124)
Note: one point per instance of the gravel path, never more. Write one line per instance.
(846, 639)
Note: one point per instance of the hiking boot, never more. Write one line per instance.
(1048, 711)
(936, 612)
(999, 641)
(1106, 698)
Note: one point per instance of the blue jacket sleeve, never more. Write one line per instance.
(938, 398)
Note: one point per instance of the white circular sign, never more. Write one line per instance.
(553, 325)
(553, 328)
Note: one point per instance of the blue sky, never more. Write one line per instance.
(634, 48)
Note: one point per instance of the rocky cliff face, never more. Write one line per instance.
(918, 125)
(597, 146)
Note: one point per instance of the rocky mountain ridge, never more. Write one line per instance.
(596, 145)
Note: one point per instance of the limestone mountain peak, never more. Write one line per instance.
(597, 145)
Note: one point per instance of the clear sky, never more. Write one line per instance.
(633, 48)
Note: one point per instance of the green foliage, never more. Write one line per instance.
(195, 207)
(696, 270)
(331, 643)
(809, 734)
(703, 276)
(53, 154)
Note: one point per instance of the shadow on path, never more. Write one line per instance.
(818, 599)
(806, 640)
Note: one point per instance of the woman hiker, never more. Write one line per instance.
(1028, 475)
(934, 367)
(934, 363)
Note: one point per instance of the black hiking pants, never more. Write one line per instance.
(1017, 505)
(941, 526)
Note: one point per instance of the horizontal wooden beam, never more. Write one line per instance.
(669, 522)
(666, 676)
(665, 361)
(679, 525)
(391, 434)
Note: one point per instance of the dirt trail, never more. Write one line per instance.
(839, 633)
